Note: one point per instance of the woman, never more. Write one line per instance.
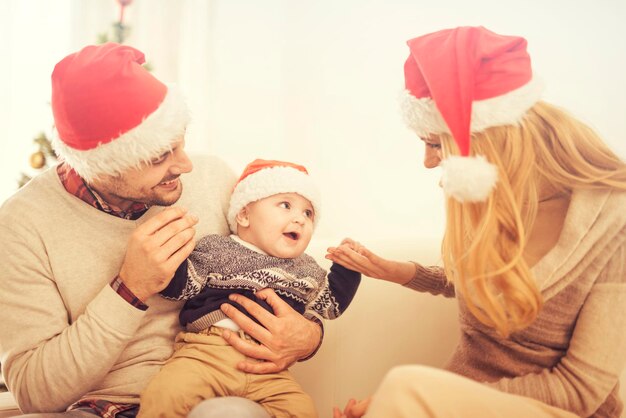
(534, 248)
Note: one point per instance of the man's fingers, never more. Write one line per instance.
(255, 351)
(245, 323)
(262, 315)
(245, 347)
(181, 254)
(176, 243)
(166, 216)
(279, 306)
(259, 367)
(175, 227)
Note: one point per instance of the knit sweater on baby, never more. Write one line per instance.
(220, 266)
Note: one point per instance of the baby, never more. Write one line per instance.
(273, 211)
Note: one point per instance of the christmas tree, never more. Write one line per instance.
(45, 156)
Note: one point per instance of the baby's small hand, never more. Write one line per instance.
(347, 243)
(350, 254)
(352, 244)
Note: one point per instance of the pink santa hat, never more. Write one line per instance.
(110, 113)
(461, 81)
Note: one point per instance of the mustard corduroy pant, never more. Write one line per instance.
(203, 366)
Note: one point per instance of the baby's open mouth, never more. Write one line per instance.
(292, 235)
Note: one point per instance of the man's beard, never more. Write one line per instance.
(166, 201)
(153, 198)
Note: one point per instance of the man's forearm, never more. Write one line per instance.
(59, 370)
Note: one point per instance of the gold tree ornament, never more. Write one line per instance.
(40, 159)
(37, 160)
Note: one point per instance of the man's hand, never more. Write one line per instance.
(156, 249)
(285, 337)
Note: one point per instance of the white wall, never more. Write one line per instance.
(315, 82)
(318, 82)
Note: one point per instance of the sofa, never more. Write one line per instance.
(386, 325)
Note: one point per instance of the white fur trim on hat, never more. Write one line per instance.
(268, 182)
(468, 179)
(423, 117)
(146, 141)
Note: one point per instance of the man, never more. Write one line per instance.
(87, 245)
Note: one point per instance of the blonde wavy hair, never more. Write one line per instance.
(484, 243)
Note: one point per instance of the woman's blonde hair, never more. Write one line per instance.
(484, 242)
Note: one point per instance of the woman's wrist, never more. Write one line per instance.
(400, 272)
(407, 272)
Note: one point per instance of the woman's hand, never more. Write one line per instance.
(354, 256)
(285, 337)
(353, 409)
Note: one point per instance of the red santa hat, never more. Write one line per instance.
(465, 80)
(110, 113)
(265, 178)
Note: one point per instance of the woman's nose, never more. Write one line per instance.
(432, 157)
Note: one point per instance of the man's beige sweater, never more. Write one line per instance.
(571, 357)
(64, 333)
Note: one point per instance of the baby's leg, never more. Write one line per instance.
(202, 367)
(281, 396)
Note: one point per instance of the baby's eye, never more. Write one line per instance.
(308, 213)
(284, 205)
(433, 145)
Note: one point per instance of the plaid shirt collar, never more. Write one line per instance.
(74, 184)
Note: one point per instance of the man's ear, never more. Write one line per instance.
(242, 217)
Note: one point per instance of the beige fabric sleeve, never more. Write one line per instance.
(48, 362)
(431, 279)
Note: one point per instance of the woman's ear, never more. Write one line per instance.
(242, 218)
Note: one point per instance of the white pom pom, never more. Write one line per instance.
(468, 179)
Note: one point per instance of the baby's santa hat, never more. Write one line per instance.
(110, 113)
(461, 81)
(265, 178)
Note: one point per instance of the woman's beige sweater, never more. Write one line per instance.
(572, 356)
(64, 333)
